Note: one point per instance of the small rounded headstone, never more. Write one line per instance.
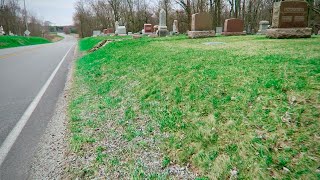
(264, 22)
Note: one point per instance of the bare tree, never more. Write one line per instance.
(99, 14)
(186, 6)
(12, 18)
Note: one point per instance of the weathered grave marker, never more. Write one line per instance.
(1, 31)
(201, 26)
(263, 26)
(120, 30)
(162, 28)
(108, 31)
(290, 20)
(96, 33)
(233, 27)
(175, 28)
(147, 29)
(218, 30)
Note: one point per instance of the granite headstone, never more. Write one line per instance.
(263, 26)
(201, 26)
(162, 28)
(233, 26)
(147, 28)
(290, 20)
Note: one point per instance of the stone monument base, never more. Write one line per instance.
(233, 33)
(201, 34)
(162, 32)
(136, 36)
(282, 33)
(260, 32)
(153, 35)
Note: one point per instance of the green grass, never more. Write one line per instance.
(15, 41)
(250, 104)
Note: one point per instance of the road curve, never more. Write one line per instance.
(23, 73)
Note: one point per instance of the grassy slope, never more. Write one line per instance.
(251, 104)
(15, 41)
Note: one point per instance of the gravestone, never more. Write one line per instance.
(263, 26)
(290, 20)
(147, 29)
(162, 28)
(120, 30)
(116, 25)
(201, 22)
(1, 31)
(10, 33)
(218, 30)
(201, 26)
(175, 29)
(155, 28)
(233, 27)
(162, 18)
(96, 33)
(108, 31)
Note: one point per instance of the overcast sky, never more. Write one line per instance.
(59, 12)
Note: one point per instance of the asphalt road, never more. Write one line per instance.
(23, 73)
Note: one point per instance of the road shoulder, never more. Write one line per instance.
(49, 160)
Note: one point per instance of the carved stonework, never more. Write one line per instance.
(290, 14)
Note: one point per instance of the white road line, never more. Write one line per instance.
(13, 135)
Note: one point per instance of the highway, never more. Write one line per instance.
(31, 80)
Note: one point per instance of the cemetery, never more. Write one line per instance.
(224, 101)
(160, 89)
(187, 89)
(207, 104)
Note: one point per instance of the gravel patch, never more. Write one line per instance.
(49, 161)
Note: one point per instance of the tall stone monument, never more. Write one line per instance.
(162, 28)
(175, 28)
(201, 26)
(116, 25)
(233, 27)
(1, 31)
(290, 20)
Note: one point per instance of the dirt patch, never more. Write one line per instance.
(53, 37)
(100, 45)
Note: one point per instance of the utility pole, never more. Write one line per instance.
(25, 16)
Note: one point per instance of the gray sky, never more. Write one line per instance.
(59, 12)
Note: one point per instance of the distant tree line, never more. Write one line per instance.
(14, 18)
(99, 14)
